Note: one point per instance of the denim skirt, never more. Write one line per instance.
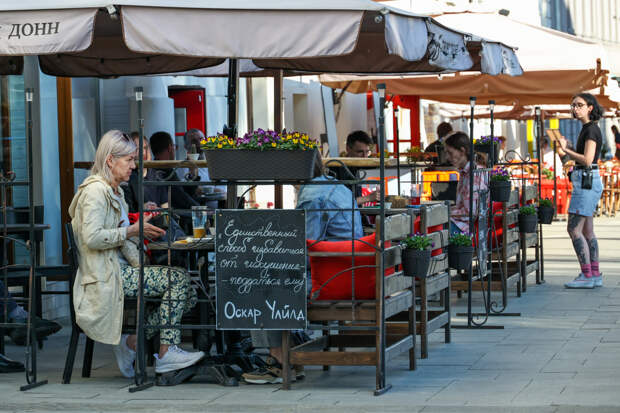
(583, 202)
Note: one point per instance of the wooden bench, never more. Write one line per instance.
(354, 331)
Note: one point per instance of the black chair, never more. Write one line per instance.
(73, 254)
(444, 191)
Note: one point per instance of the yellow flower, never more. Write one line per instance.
(219, 145)
(294, 140)
(273, 144)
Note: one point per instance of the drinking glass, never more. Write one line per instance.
(416, 193)
(201, 220)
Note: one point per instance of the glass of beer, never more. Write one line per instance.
(201, 220)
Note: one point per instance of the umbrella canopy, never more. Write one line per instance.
(94, 38)
(551, 75)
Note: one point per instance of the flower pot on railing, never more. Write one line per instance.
(486, 148)
(545, 214)
(500, 190)
(260, 155)
(244, 164)
(527, 222)
(460, 257)
(416, 262)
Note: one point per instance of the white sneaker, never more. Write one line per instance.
(598, 281)
(580, 282)
(176, 359)
(125, 357)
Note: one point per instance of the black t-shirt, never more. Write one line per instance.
(590, 131)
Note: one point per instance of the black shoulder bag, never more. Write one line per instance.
(586, 178)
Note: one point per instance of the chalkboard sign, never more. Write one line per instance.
(260, 259)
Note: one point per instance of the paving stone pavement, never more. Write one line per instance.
(561, 355)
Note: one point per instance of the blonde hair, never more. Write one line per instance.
(115, 143)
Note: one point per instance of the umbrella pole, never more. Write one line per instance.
(31, 337)
(541, 262)
(140, 378)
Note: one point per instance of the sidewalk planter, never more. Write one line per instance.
(460, 257)
(527, 223)
(486, 148)
(545, 214)
(500, 191)
(250, 165)
(416, 262)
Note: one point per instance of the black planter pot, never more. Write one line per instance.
(500, 191)
(545, 214)
(486, 148)
(416, 262)
(247, 165)
(460, 257)
(527, 223)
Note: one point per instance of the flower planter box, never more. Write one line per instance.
(249, 165)
(527, 223)
(486, 148)
(460, 257)
(416, 262)
(500, 191)
(545, 214)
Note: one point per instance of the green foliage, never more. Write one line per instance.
(462, 240)
(545, 203)
(527, 210)
(417, 242)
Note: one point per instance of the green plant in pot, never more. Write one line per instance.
(500, 185)
(545, 211)
(416, 255)
(528, 218)
(260, 155)
(460, 251)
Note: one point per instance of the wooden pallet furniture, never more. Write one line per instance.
(354, 331)
(529, 195)
(504, 247)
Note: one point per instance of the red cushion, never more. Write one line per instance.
(339, 288)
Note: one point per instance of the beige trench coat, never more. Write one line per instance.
(98, 288)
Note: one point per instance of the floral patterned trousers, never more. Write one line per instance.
(173, 285)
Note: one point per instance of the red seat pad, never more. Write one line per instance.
(340, 287)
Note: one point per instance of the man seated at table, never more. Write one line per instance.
(182, 197)
(16, 314)
(457, 152)
(191, 142)
(443, 130)
(320, 225)
(358, 146)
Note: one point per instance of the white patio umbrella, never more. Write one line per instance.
(95, 38)
(556, 66)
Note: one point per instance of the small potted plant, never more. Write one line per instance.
(416, 255)
(527, 219)
(500, 185)
(260, 155)
(460, 251)
(484, 145)
(415, 154)
(545, 211)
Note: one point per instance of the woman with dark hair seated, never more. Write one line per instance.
(457, 153)
(108, 266)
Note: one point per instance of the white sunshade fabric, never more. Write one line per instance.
(92, 38)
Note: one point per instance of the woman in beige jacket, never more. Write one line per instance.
(108, 264)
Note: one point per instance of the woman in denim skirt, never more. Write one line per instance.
(586, 192)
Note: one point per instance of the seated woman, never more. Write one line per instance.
(457, 152)
(108, 264)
